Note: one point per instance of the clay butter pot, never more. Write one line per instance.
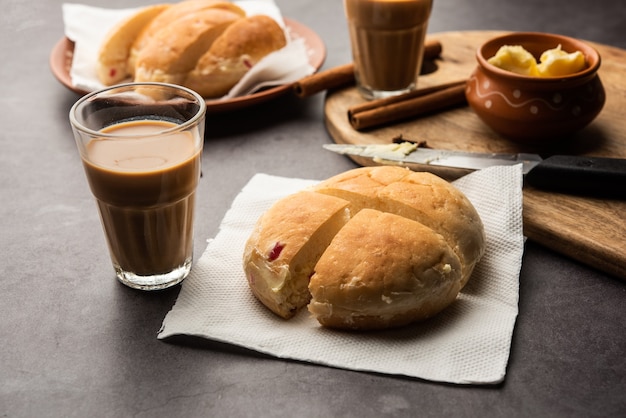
(532, 108)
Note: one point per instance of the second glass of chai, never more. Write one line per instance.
(387, 39)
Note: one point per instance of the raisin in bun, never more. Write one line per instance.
(399, 248)
(241, 46)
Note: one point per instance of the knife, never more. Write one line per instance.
(590, 176)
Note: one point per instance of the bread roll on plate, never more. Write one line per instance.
(173, 13)
(175, 49)
(112, 66)
(241, 46)
(398, 247)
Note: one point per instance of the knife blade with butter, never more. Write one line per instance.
(591, 176)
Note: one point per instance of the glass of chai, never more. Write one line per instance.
(141, 147)
(387, 38)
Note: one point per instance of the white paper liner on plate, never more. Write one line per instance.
(87, 26)
(468, 343)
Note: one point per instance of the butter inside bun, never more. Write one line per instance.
(399, 248)
(239, 48)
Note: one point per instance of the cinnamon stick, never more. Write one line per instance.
(343, 75)
(392, 109)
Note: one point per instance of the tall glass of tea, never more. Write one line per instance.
(141, 147)
(387, 39)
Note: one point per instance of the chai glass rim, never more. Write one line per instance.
(183, 126)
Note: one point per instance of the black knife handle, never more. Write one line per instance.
(591, 176)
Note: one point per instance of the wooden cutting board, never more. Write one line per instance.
(591, 231)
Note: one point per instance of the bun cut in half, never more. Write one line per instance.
(370, 248)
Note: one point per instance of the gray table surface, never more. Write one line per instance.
(74, 342)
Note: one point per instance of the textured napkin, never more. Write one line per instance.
(87, 26)
(467, 343)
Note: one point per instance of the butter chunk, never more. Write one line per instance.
(516, 59)
(553, 62)
(556, 62)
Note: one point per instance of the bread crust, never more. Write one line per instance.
(239, 48)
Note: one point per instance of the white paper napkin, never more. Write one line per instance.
(468, 343)
(87, 26)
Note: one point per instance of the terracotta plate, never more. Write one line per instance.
(61, 62)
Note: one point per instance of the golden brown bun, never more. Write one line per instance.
(420, 196)
(115, 49)
(173, 13)
(207, 45)
(241, 46)
(282, 250)
(382, 270)
(174, 50)
(411, 244)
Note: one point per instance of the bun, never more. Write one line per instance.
(206, 45)
(398, 247)
(231, 56)
(174, 50)
(172, 14)
(112, 66)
